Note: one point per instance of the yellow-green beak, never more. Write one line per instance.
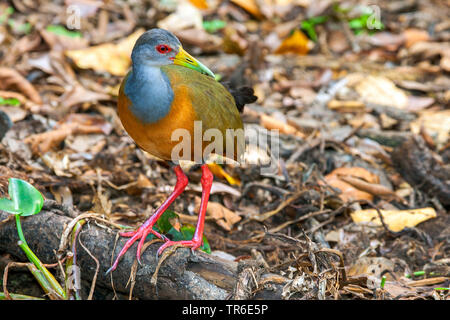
(186, 60)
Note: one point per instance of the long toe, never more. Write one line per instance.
(194, 245)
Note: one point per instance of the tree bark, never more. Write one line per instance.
(183, 275)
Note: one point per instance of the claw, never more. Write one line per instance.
(193, 244)
(147, 227)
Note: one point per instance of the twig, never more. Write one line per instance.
(97, 268)
(66, 233)
(5, 276)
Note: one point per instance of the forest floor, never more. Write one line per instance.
(358, 93)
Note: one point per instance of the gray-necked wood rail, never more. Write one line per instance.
(168, 89)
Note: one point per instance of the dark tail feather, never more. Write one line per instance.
(241, 95)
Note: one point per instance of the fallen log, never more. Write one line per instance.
(183, 275)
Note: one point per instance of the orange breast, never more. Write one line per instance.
(155, 138)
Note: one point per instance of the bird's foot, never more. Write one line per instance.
(193, 244)
(141, 233)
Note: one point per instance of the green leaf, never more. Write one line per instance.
(308, 26)
(61, 31)
(24, 28)
(356, 24)
(10, 102)
(317, 20)
(26, 200)
(163, 222)
(4, 16)
(186, 233)
(214, 25)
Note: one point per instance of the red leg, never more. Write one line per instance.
(196, 242)
(147, 226)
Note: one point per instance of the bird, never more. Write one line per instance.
(165, 90)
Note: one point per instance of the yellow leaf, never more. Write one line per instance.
(109, 57)
(201, 4)
(396, 220)
(297, 43)
(218, 171)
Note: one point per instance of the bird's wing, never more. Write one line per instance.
(211, 101)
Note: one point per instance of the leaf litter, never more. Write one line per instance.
(362, 116)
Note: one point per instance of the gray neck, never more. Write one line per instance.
(150, 92)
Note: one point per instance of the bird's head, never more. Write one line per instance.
(159, 47)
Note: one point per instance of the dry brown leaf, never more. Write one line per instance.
(23, 45)
(338, 41)
(271, 123)
(233, 42)
(396, 220)
(78, 94)
(223, 216)
(199, 38)
(61, 43)
(14, 113)
(429, 50)
(413, 36)
(346, 106)
(10, 78)
(435, 123)
(109, 57)
(372, 188)
(74, 124)
(381, 91)
(416, 103)
(371, 266)
(349, 192)
(186, 16)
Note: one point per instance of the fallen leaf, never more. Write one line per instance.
(396, 220)
(201, 4)
(419, 103)
(371, 266)
(413, 36)
(250, 6)
(436, 124)
(14, 113)
(186, 16)
(271, 123)
(429, 50)
(109, 57)
(372, 188)
(10, 78)
(346, 106)
(381, 91)
(78, 94)
(219, 172)
(296, 43)
(199, 38)
(61, 42)
(73, 124)
(338, 41)
(223, 216)
(349, 192)
(233, 42)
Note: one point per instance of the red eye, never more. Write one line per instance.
(162, 48)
